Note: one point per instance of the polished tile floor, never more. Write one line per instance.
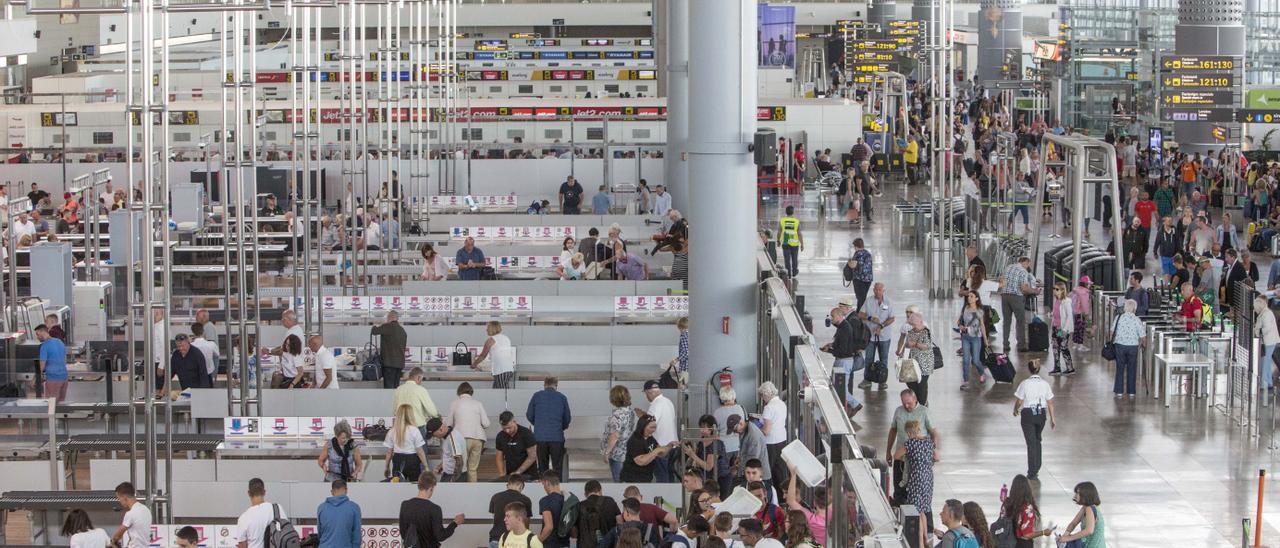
(1178, 476)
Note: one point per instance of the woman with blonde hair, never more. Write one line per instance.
(618, 429)
(408, 459)
(1062, 326)
(502, 357)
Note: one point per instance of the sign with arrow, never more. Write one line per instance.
(1262, 98)
(1181, 63)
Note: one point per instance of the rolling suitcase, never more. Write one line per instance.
(1038, 336)
(998, 364)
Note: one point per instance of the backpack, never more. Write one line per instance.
(568, 516)
(280, 533)
(861, 335)
(589, 534)
(848, 273)
(959, 540)
(1003, 534)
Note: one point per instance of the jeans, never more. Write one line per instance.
(662, 472)
(971, 355)
(1264, 368)
(791, 259)
(849, 366)
(877, 347)
(551, 457)
(1013, 308)
(390, 377)
(1019, 209)
(615, 470)
(1126, 369)
(1032, 427)
(860, 291)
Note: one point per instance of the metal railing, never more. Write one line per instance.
(860, 513)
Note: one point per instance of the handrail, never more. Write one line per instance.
(808, 387)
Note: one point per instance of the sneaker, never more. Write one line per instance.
(883, 387)
(1056, 372)
(864, 385)
(964, 386)
(1082, 348)
(1069, 372)
(1119, 395)
(855, 410)
(1133, 396)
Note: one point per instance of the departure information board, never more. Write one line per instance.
(1199, 88)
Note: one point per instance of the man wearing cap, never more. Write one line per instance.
(664, 414)
(846, 346)
(453, 459)
(751, 446)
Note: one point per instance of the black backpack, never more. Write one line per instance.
(861, 335)
(280, 533)
(1003, 534)
(589, 534)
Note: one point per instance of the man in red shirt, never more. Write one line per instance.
(1144, 209)
(1191, 309)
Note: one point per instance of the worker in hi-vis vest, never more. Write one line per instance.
(791, 241)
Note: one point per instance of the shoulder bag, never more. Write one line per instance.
(937, 352)
(908, 370)
(1109, 349)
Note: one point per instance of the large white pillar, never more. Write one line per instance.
(722, 208)
(675, 168)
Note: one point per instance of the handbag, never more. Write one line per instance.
(375, 432)
(1109, 349)
(371, 367)
(937, 352)
(908, 370)
(461, 355)
(668, 378)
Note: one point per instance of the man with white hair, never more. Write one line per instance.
(774, 416)
(878, 316)
(664, 414)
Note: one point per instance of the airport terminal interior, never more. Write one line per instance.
(639, 273)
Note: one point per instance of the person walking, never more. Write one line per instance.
(548, 412)
(391, 348)
(973, 337)
(1033, 402)
(791, 241)
(1081, 313)
(846, 346)
(1264, 328)
(1062, 325)
(338, 519)
(863, 274)
(919, 346)
(1092, 533)
(909, 411)
(878, 318)
(1016, 286)
(469, 419)
(1128, 333)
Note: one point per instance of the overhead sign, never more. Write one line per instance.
(1197, 114)
(1262, 98)
(1198, 63)
(1196, 97)
(1258, 116)
(1198, 81)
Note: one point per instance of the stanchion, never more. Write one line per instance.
(1257, 532)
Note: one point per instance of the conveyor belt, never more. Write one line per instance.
(120, 442)
(59, 500)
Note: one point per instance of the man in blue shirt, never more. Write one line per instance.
(469, 260)
(601, 202)
(548, 412)
(338, 519)
(53, 364)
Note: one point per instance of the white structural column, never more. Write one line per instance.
(722, 208)
(676, 169)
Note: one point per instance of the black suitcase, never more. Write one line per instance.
(1038, 337)
(1001, 369)
(877, 373)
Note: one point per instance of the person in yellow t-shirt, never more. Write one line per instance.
(911, 157)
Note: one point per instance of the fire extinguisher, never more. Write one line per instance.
(724, 377)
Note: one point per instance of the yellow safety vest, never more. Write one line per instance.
(790, 231)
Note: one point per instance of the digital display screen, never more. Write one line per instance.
(597, 42)
(1198, 81)
(1207, 62)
